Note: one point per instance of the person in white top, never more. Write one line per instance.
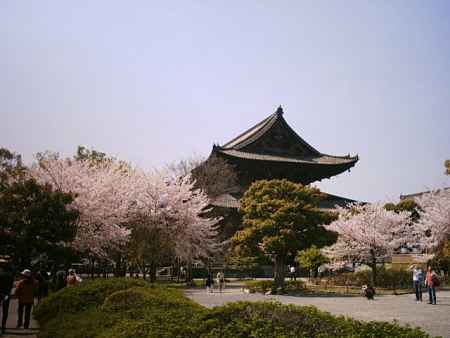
(292, 273)
(220, 280)
(417, 282)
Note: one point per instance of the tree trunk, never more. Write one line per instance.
(316, 271)
(279, 270)
(373, 265)
(189, 276)
(92, 266)
(152, 272)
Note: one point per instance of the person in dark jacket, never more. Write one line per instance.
(6, 284)
(25, 294)
(209, 283)
(60, 279)
(368, 291)
(42, 279)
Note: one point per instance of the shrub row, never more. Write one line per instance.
(270, 319)
(386, 278)
(263, 286)
(130, 308)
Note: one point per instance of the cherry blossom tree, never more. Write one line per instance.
(102, 196)
(173, 211)
(370, 233)
(435, 216)
(114, 199)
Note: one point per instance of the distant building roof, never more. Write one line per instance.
(328, 203)
(418, 194)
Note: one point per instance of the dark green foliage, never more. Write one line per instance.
(92, 155)
(129, 308)
(118, 307)
(279, 218)
(263, 286)
(386, 278)
(10, 167)
(408, 205)
(441, 260)
(311, 259)
(90, 293)
(264, 319)
(35, 219)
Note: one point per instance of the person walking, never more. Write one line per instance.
(59, 279)
(292, 273)
(25, 295)
(72, 278)
(209, 283)
(221, 280)
(417, 282)
(6, 284)
(431, 281)
(42, 279)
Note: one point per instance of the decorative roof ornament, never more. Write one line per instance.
(279, 110)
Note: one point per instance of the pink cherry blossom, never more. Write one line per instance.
(369, 233)
(435, 216)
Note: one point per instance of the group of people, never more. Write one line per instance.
(27, 287)
(430, 281)
(210, 282)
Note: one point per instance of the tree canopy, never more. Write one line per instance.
(280, 218)
(35, 219)
(369, 233)
(408, 205)
(311, 259)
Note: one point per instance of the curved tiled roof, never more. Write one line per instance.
(238, 147)
(253, 133)
(328, 203)
(321, 159)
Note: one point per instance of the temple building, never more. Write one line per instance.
(273, 150)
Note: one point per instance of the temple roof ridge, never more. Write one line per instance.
(273, 149)
(252, 133)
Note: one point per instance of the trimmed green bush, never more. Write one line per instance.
(386, 278)
(273, 320)
(263, 286)
(118, 308)
(129, 308)
(77, 299)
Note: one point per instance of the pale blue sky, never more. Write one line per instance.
(155, 81)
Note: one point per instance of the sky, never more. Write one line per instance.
(153, 82)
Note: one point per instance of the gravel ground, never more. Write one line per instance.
(434, 319)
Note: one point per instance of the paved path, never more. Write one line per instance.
(11, 330)
(435, 319)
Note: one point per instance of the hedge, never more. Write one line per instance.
(263, 286)
(386, 278)
(270, 319)
(132, 308)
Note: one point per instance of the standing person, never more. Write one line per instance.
(72, 278)
(417, 282)
(25, 294)
(431, 280)
(42, 278)
(221, 280)
(6, 284)
(209, 283)
(60, 279)
(292, 273)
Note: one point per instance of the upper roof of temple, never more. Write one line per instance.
(273, 140)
